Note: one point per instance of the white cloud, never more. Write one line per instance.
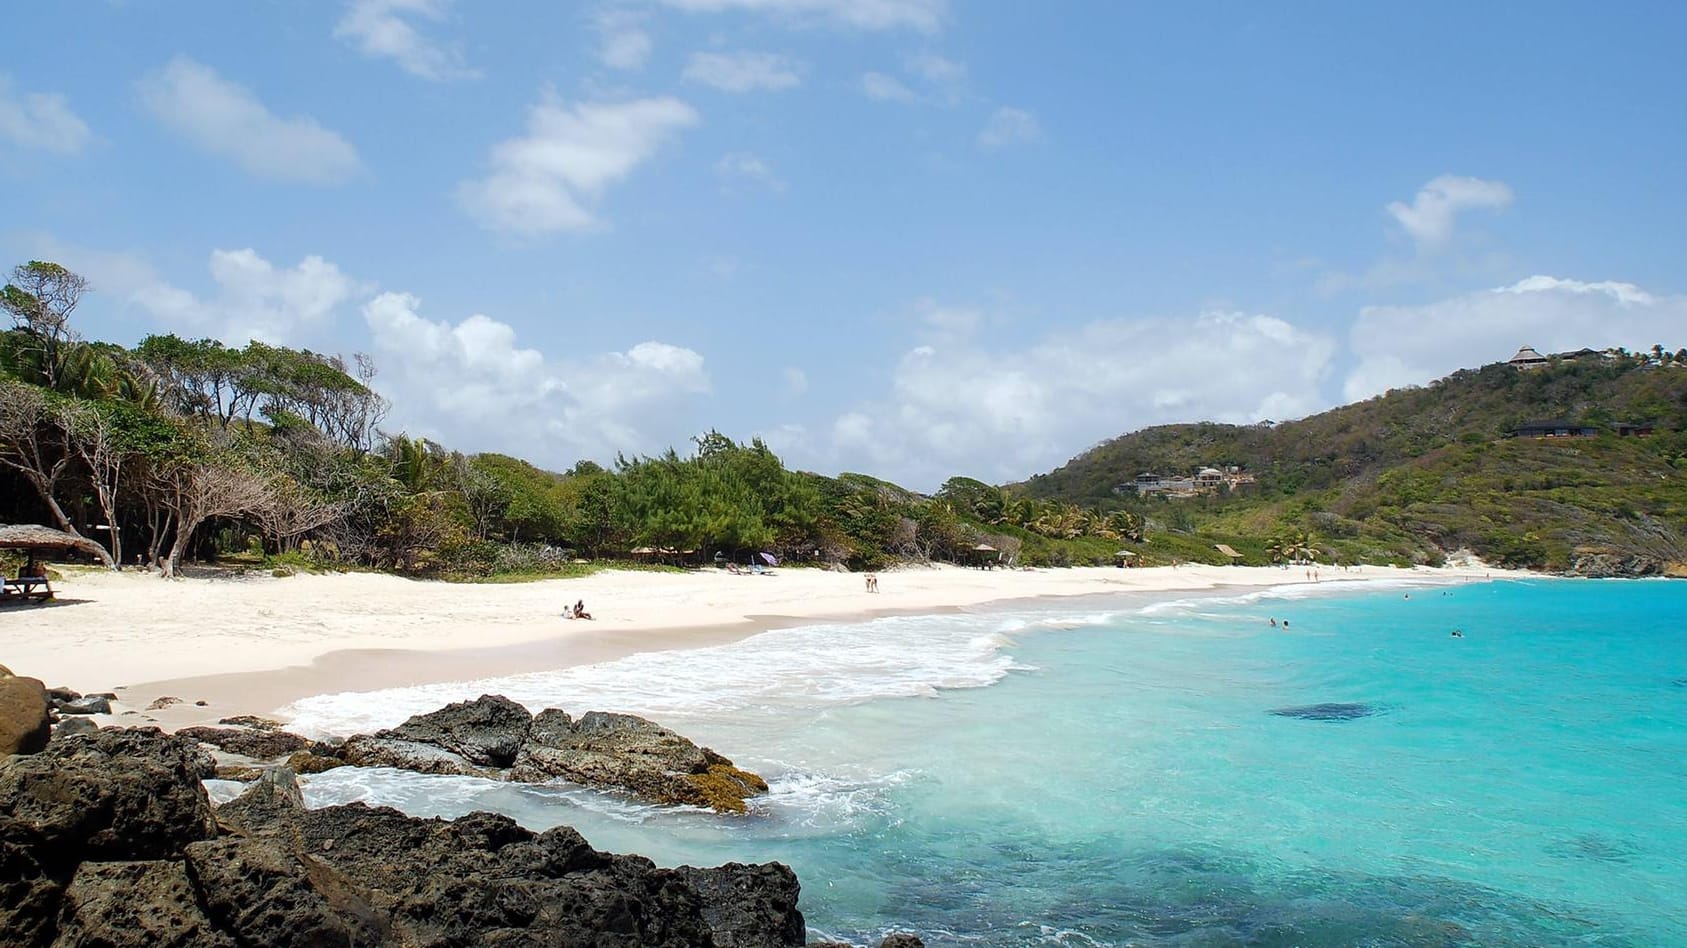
(254, 299)
(923, 15)
(1010, 126)
(1411, 345)
(546, 180)
(877, 85)
(937, 70)
(250, 298)
(796, 380)
(228, 120)
(623, 41)
(1000, 413)
(473, 385)
(1429, 219)
(940, 82)
(379, 28)
(950, 321)
(41, 120)
(743, 71)
(742, 166)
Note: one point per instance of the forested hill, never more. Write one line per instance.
(1426, 470)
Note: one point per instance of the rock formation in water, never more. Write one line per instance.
(109, 839)
(1328, 712)
(496, 738)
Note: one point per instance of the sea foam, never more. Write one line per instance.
(907, 656)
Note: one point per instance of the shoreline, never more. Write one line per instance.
(254, 645)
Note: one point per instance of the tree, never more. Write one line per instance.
(40, 299)
(35, 436)
(291, 510)
(93, 438)
(198, 488)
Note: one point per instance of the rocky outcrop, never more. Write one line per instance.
(629, 753)
(748, 906)
(1609, 563)
(25, 720)
(479, 738)
(108, 839)
(495, 738)
(109, 796)
(260, 745)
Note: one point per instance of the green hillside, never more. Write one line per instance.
(1418, 473)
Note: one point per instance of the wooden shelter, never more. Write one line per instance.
(1227, 550)
(35, 540)
(39, 539)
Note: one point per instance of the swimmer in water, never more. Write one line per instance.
(1274, 622)
(1458, 633)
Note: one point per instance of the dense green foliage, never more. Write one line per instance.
(1414, 474)
(181, 448)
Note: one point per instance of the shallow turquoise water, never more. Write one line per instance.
(1108, 773)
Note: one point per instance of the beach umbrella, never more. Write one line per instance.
(984, 548)
(769, 559)
(28, 536)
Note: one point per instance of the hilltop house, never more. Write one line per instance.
(1553, 429)
(1527, 358)
(1208, 480)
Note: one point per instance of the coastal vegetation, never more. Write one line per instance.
(180, 449)
(1417, 473)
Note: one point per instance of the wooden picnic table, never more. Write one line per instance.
(33, 587)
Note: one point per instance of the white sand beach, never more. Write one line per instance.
(254, 643)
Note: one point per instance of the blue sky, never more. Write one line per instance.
(909, 237)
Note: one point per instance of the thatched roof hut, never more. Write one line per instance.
(29, 536)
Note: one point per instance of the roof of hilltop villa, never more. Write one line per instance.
(1527, 356)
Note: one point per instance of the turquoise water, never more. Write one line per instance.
(1108, 772)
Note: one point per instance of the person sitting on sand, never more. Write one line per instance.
(580, 610)
(32, 570)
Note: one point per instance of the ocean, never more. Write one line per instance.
(1147, 771)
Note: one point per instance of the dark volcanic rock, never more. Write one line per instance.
(108, 839)
(72, 726)
(262, 745)
(314, 761)
(477, 738)
(1328, 712)
(626, 752)
(135, 905)
(749, 906)
(25, 724)
(268, 895)
(902, 940)
(495, 738)
(89, 704)
(487, 731)
(111, 795)
(252, 721)
(365, 750)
